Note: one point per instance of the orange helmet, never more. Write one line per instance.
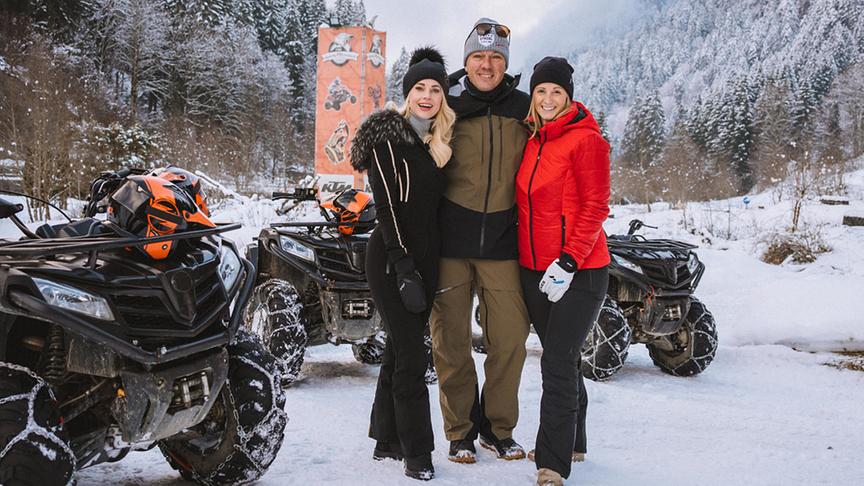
(352, 206)
(187, 181)
(151, 206)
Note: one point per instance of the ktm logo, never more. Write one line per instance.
(335, 186)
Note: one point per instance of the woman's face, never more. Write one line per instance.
(549, 100)
(424, 99)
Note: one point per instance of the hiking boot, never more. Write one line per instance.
(506, 449)
(462, 451)
(387, 450)
(548, 477)
(576, 457)
(420, 467)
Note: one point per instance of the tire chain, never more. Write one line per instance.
(32, 426)
(620, 354)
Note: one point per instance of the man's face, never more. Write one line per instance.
(485, 69)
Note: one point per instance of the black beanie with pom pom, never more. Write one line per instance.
(425, 63)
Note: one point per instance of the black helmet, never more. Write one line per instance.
(151, 206)
(352, 206)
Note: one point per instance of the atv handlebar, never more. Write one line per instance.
(636, 225)
(299, 194)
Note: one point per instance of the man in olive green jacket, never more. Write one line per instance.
(479, 251)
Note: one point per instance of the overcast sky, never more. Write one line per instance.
(539, 27)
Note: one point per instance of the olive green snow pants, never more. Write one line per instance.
(504, 319)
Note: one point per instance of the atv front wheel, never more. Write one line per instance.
(241, 435)
(478, 342)
(34, 442)
(371, 351)
(606, 346)
(274, 314)
(689, 351)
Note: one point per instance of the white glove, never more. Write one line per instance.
(555, 281)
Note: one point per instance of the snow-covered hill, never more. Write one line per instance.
(689, 49)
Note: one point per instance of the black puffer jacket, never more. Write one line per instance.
(406, 184)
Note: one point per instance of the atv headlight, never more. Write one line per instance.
(74, 299)
(692, 263)
(229, 267)
(627, 264)
(296, 248)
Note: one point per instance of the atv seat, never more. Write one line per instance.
(82, 227)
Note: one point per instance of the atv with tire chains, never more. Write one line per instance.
(311, 286)
(650, 301)
(104, 351)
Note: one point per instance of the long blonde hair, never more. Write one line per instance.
(440, 132)
(535, 122)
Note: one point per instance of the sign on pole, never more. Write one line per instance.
(351, 85)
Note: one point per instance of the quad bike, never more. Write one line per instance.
(115, 340)
(649, 300)
(311, 286)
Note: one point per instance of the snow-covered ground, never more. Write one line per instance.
(762, 413)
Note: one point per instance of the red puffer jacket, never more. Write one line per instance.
(562, 191)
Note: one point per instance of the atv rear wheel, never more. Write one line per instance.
(34, 444)
(275, 315)
(431, 375)
(371, 351)
(692, 348)
(243, 432)
(606, 346)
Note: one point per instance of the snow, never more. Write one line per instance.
(764, 412)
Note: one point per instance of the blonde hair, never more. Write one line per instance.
(535, 121)
(440, 132)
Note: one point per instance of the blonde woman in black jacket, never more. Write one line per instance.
(403, 150)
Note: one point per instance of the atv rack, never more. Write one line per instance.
(95, 244)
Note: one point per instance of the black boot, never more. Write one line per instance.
(387, 450)
(419, 467)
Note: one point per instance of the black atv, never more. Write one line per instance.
(311, 286)
(104, 351)
(650, 300)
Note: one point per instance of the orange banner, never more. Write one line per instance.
(351, 85)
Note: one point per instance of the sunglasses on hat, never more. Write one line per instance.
(500, 30)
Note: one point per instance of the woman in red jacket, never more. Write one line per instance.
(562, 192)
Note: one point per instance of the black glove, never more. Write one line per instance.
(410, 284)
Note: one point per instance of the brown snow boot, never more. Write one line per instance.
(548, 477)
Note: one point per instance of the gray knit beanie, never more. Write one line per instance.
(488, 42)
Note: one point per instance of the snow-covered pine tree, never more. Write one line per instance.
(772, 141)
(269, 17)
(208, 12)
(394, 78)
(348, 12)
(642, 145)
(600, 116)
(733, 141)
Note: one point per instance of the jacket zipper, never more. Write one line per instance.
(530, 205)
(488, 179)
(563, 231)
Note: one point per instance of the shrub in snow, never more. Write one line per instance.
(801, 246)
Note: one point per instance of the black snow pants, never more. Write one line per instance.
(562, 328)
(400, 412)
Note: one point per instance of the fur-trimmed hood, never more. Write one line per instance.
(381, 126)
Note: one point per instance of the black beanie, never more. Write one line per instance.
(553, 70)
(426, 63)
